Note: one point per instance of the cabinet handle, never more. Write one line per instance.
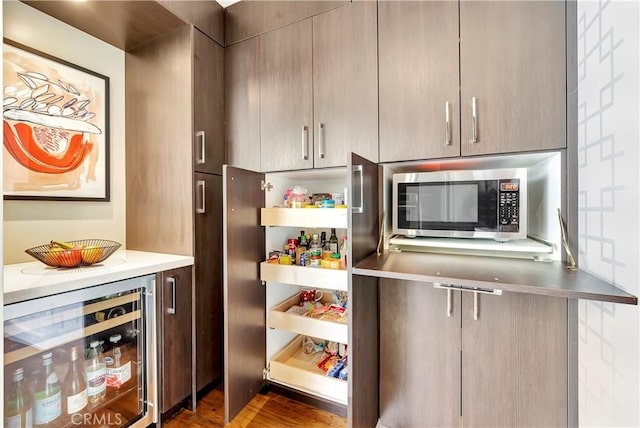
(321, 140)
(474, 290)
(305, 143)
(201, 157)
(449, 306)
(355, 208)
(474, 122)
(447, 124)
(201, 208)
(172, 309)
(475, 306)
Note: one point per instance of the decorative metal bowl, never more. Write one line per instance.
(74, 253)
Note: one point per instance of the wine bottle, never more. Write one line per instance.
(333, 241)
(47, 397)
(74, 388)
(18, 410)
(96, 374)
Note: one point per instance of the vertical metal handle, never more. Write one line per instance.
(474, 121)
(202, 208)
(305, 142)
(447, 124)
(475, 306)
(201, 158)
(321, 140)
(359, 209)
(449, 307)
(172, 309)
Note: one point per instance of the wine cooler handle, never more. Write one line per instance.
(172, 309)
(201, 159)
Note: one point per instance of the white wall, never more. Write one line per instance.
(30, 223)
(609, 232)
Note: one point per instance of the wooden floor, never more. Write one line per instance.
(264, 411)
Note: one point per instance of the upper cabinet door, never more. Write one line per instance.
(513, 64)
(419, 107)
(242, 104)
(208, 105)
(286, 104)
(345, 84)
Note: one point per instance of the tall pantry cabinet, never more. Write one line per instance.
(173, 164)
(262, 336)
(507, 59)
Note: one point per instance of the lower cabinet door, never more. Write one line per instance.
(514, 360)
(175, 314)
(419, 355)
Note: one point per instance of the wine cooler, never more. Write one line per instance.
(82, 358)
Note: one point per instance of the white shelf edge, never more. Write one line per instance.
(304, 217)
(330, 279)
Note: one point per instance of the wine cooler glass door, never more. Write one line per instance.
(82, 358)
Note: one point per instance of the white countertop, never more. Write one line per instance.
(25, 281)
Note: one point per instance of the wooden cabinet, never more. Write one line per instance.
(487, 359)
(242, 104)
(286, 98)
(208, 279)
(512, 78)
(163, 172)
(419, 81)
(318, 91)
(208, 104)
(513, 62)
(262, 339)
(206, 16)
(345, 84)
(174, 288)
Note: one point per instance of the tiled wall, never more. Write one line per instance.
(608, 201)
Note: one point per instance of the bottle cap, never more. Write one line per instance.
(94, 344)
(47, 355)
(115, 338)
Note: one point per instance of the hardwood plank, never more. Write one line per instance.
(265, 410)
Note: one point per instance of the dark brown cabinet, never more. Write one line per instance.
(511, 78)
(208, 104)
(208, 278)
(419, 82)
(174, 298)
(491, 360)
(242, 104)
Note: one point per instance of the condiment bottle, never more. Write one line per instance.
(96, 374)
(74, 388)
(118, 366)
(18, 409)
(47, 396)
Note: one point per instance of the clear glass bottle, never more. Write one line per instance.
(315, 247)
(18, 409)
(47, 396)
(74, 388)
(96, 372)
(118, 365)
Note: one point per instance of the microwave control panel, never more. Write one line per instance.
(509, 205)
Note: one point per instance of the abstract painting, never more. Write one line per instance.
(55, 120)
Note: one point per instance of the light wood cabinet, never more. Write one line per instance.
(487, 359)
(174, 288)
(419, 81)
(511, 78)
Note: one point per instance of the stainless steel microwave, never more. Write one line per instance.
(490, 204)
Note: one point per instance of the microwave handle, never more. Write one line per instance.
(447, 124)
(358, 209)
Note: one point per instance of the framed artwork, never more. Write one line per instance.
(55, 120)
